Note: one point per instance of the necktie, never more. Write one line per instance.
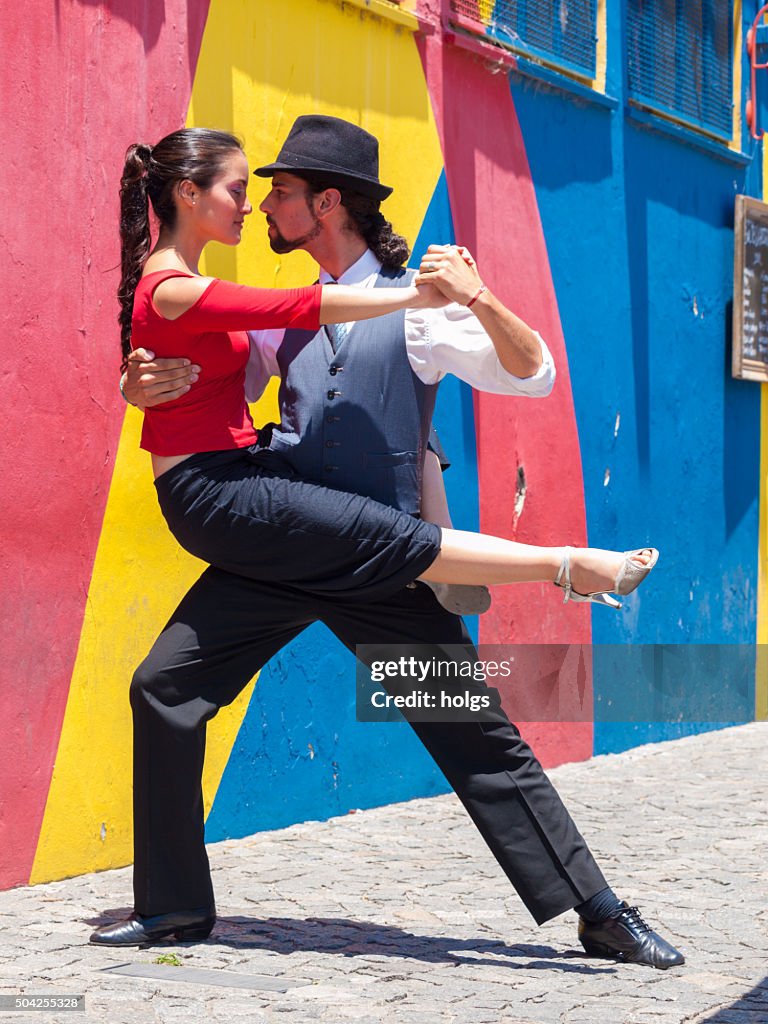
(337, 333)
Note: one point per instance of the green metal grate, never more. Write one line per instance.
(561, 32)
(680, 60)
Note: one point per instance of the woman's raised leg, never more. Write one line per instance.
(479, 558)
(229, 510)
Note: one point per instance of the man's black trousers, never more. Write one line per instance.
(225, 629)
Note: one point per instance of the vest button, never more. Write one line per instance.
(334, 370)
(330, 444)
(329, 469)
(332, 394)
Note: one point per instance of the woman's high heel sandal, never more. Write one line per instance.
(629, 577)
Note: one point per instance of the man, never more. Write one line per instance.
(355, 408)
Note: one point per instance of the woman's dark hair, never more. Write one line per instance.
(390, 249)
(152, 174)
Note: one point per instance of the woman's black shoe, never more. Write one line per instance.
(183, 925)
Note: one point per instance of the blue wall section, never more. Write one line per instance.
(290, 761)
(454, 412)
(639, 229)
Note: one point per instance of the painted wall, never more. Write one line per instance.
(669, 441)
(614, 241)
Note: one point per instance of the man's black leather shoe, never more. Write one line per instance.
(628, 938)
(184, 925)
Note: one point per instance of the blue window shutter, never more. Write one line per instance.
(561, 32)
(680, 60)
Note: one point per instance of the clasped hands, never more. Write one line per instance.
(452, 270)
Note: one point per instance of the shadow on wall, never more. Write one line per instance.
(674, 218)
(584, 140)
(671, 186)
(148, 18)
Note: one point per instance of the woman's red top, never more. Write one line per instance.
(213, 414)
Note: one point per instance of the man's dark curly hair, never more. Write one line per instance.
(390, 249)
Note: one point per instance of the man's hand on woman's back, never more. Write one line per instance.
(148, 381)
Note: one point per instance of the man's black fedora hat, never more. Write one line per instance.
(330, 146)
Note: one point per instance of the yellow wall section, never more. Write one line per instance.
(601, 55)
(258, 70)
(139, 575)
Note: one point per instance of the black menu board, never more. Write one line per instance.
(750, 290)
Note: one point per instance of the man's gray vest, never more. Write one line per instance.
(356, 419)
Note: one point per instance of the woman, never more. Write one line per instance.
(227, 501)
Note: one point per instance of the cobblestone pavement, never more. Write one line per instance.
(400, 915)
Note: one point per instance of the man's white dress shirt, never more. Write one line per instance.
(438, 341)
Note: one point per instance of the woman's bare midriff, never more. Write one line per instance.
(162, 463)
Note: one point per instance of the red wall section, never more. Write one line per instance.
(91, 78)
(495, 214)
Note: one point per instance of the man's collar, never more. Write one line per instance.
(359, 273)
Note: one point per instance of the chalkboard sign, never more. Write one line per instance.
(750, 290)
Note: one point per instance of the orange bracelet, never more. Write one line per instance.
(478, 293)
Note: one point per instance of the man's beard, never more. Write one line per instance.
(280, 244)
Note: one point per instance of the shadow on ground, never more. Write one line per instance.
(752, 1008)
(346, 937)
